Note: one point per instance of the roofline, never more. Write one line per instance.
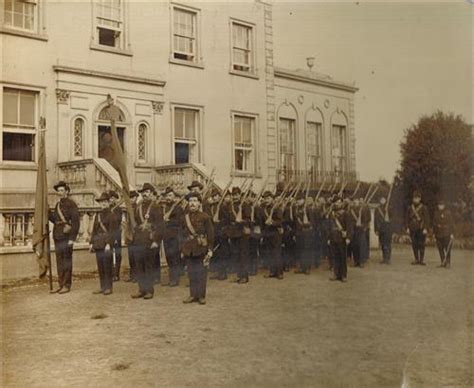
(292, 75)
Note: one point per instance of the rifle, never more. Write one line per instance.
(448, 251)
(216, 215)
(343, 186)
(278, 202)
(305, 214)
(207, 188)
(388, 202)
(356, 190)
(252, 209)
(320, 190)
(166, 216)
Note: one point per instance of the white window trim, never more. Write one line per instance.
(138, 160)
(346, 157)
(39, 30)
(40, 112)
(199, 136)
(124, 48)
(84, 137)
(255, 144)
(198, 58)
(295, 139)
(321, 144)
(253, 73)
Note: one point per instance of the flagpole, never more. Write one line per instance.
(50, 269)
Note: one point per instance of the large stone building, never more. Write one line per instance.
(197, 88)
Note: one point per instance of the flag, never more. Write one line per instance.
(117, 161)
(41, 227)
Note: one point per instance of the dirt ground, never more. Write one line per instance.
(387, 326)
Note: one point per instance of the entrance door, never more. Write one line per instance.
(105, 141)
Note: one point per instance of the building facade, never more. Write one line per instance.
(198, 92)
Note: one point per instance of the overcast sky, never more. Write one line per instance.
(408, 59)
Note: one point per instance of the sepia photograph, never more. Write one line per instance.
(237, 193)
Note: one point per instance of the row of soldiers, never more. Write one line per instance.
(239, 231)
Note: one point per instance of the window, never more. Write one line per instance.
(242, 48)
(78, 137)
(287, 145)
(19, 118)
(142, 143)
(109, 23)
(186, 130)
(314, 146)
(339, 148)
(20, 14)
(185, 44)
(244, 155)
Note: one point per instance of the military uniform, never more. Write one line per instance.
(117, 232)
(198, 240)
(384, 229)
(256, 225)
(272, 237)
(443, 228)
(289, 237)
(317, 229)
(65, 217)
(103, 235)
(417, 222)
(303, 235)
(360, 243)
(340, 228)
(132, 277)
(222, 250)
(149, 230)
(173, 222)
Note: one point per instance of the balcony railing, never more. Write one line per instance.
(180, 176)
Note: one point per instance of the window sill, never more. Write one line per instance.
(11, 165)
(24, 34)
(246, 174)
(112, 50)
(142, 165)
(244, 74)
(198, 65)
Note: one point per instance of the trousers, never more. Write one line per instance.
(64, 262)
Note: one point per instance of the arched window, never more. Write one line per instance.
(104, 114)
(78, 138)
(314, 141)
(142, 142)
(339, 143)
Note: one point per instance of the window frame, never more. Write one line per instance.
(253, 71)
(30, 130)
(197, 60)
(255, 170)
(199, 120)
(295, 139)
(319, 144)
(344, 155)
(139, 160)
(123, 48)
(39, 30)
(73, 127)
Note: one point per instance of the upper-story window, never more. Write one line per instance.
(20, 14)
(339, 148)
(186, 135)
(243, 50)
(314, 146)
(185, 34)
(19, 129)
(109, 23)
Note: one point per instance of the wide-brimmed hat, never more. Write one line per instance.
(215, 192)
(195, 184)
(193, 195)
(267, 193)
(300, 195)
(62, 184)
(103, 197)
(133, 193)
(236, 190)
(147, 186)
(168, 190)
(113, 194)
(416, 194)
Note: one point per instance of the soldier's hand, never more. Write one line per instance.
(154, 245)
(425, 232)
(90, 248)
(70, 242)
(348, 241)
(451, 237)
(107, 248)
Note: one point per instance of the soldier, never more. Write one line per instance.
(443, 228)
(272, 236)
(102, 241)
(195, 187)
(65, 217)
(173, 220)
(130, 241)
(256, 225)
(147, 238)
(117, 246)
(197, 247)
(417, 224)
(339, 236)
(317, 224)
(158, 201)
(303, 232)
(361, 248)
(384, 229)
(289, 246)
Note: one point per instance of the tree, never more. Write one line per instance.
(437, 157)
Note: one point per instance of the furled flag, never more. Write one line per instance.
(40, 228)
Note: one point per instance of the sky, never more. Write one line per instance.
(407, 59)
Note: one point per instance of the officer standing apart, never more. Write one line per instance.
(417, 223)
(65, 217)
(117, 243)
(384, 230)
(197, 247)
(102, 241)
(146, 241)
(443, 228)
